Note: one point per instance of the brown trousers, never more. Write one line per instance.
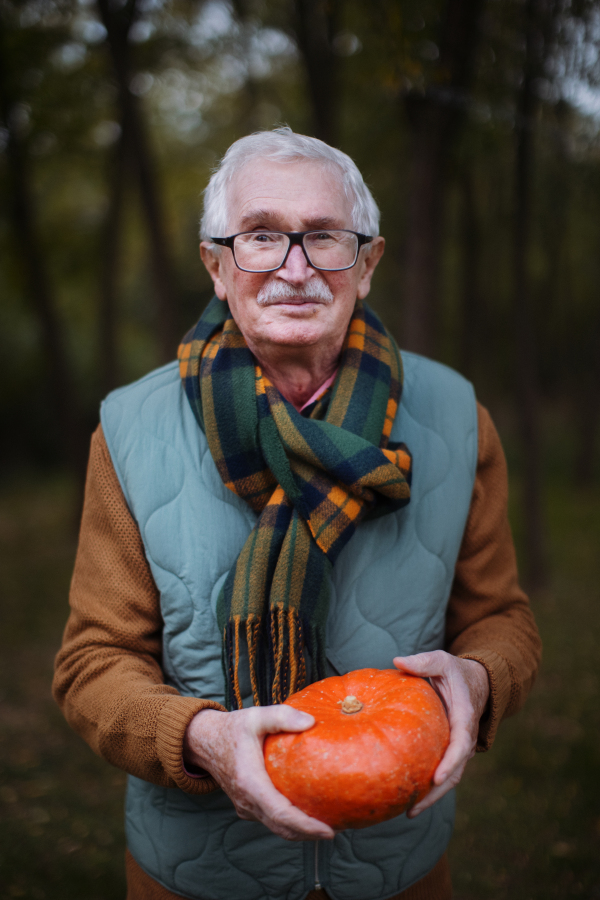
(435, 886)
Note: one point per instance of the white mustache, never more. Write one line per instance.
(276, 291)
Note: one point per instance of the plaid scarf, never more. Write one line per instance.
(310, 480)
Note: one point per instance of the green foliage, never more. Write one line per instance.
(205, 74)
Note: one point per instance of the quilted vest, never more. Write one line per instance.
(390, 590)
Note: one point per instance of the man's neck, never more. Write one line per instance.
(298, 376)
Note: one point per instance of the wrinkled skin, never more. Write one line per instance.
(229, 745)
(297, 341)
(464, 688)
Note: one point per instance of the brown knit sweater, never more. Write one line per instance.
(109, 681)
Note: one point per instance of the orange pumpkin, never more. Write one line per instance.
(378, 739)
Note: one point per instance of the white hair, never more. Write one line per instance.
(283, 145)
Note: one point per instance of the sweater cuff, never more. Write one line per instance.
(500, 692)
(173, 720)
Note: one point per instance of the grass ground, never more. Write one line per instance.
(528, 825)
(61, 836)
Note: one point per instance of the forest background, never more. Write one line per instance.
(476, 124)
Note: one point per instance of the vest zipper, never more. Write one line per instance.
(317, 882)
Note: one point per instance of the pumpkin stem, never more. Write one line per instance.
(350, 705)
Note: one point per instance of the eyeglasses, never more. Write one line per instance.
(266, 251)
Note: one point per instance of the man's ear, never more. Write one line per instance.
(212, 261)
(371, 257)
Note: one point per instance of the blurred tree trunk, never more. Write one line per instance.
(434, 118)
(248, 115)
(60, 384)
(118, 168)
(118, 19)
(471, 274)
(556, 226)
(588, 408)
(316, 22)
(526, 382)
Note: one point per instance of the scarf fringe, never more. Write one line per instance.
(231, 663)
(315, 645)
(285, 672)
(285, 637)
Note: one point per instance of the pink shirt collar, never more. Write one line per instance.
(321, 390)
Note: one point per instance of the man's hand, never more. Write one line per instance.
(464, 687)
(230, 747)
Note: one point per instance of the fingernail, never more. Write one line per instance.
(305, 718)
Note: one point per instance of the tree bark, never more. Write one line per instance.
(119, 165)
(425, 210)
(434, 118)
(587, 405)
(316, 22)
(471, 269)
(248, 114)
(118, 21)
(526, 379)
(589, 420)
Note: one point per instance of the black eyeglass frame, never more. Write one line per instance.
(296, 237)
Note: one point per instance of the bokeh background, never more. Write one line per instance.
(476, 123)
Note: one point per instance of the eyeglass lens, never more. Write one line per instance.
(261, 251)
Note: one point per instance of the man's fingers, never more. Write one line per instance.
(462, 738)
(424, 664)
(257, 798)
(463, 688)
(436, 793)
(459, 750)
(447, 775)
(301, 827)
(298, 826)
(281, 717)
(230, 747)
(280, 815)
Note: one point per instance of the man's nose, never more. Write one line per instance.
(296, 269)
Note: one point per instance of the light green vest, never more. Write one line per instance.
(390, 589)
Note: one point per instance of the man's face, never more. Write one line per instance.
(317, 306)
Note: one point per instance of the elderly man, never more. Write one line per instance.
(298, 499)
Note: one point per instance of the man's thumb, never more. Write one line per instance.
(419, 664)
(286, 718)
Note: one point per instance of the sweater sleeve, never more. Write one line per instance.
(108, 679)
(489, 618)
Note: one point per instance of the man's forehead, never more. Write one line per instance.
(265, 190)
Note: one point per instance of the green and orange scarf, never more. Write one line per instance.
(310, 480)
